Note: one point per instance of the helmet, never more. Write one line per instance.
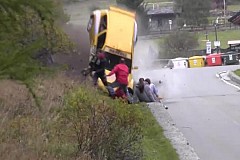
(101, 55)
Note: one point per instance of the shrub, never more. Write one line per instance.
(101, 128)
(178, 43)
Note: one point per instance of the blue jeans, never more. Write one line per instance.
(115, 84)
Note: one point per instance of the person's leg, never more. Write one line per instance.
(111, 87)
(103, 79)
(95, 79)
(114, 84)
(125, 89)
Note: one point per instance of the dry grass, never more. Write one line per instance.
(70, 124)
(25, 130)
(14, 94)
(51, 90)
(74, 124)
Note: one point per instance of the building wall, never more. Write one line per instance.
(161, 22)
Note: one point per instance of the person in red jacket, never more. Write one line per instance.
(121, 72)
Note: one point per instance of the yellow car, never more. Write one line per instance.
(113, 31)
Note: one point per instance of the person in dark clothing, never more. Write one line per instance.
(99, 69)
(143, 92)
(121, 72)
(141, 85)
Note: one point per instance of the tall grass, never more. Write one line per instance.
(75, 122)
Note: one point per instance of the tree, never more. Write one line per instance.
(132, 4)
(193, 13)
(178, 44)
(28, 31)
(139, 6)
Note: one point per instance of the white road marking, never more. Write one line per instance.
(218, 75)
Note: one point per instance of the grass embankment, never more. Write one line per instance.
(237, 72)
(75, 122)
(155, 145)
(222, 36)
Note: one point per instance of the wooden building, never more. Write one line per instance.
(235, 19)
(162, 16)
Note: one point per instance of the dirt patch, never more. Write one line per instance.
(76, 28)
(79, 59)
(24, 128)
(14, 94)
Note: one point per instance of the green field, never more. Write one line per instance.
(222, 36)
(237, 72)
(233, 7)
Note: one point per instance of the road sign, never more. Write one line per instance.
(217, 43)
(208, 47)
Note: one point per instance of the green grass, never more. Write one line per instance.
(233, 7)
(155, 145)
(237, 72)
(223, 37)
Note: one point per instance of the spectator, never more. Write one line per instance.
(121, 72)
(99, 69)
(143, 92)
(152, 87)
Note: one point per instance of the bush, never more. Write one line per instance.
(101, 129)
(178, 43)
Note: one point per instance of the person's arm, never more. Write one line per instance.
(113, 71)
(149, 93)
(155, 90)
(102, 67)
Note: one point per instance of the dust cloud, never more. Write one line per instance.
(76, 28)
(145, 56)
(79, 59)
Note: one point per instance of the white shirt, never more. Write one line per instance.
(153, 89)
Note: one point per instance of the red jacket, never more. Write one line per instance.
(121, 71)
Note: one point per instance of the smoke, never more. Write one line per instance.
(145, 55)
(146, 58)
(77, 31)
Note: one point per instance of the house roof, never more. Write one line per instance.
(161, 10)
(235, 19)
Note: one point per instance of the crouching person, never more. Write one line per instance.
(143, 92)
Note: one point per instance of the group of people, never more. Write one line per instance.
(145, 91)
(121, 72)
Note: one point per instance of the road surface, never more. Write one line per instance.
(204, 108)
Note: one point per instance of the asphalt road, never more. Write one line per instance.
(204, 108)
